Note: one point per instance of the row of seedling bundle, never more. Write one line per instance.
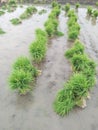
(38, 48)
(51, 25)
(24, 73)
(76, 89)
(73, 26)
(26, 14)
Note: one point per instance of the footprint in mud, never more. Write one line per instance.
(13, 116)
(51, 85)
(48, 75)
(94, 127)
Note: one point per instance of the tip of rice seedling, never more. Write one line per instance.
(59, 34)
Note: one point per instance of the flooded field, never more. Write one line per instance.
(34, 111)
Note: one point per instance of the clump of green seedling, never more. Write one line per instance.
(89, 10)
(54, 4)
(67, 7)
(95, 13)
(20, 80)
(71, 13)
(77, 5)
(78, 48)
(79, 62)
(23, 75)
(38, 47)
(74, 31)
(16, 21)
(23, 63)
(63, 103)
(28, 12)
(38, 51)
(50, 29)
(12, 2)
(75, 89)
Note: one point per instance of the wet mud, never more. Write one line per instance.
(35, 110)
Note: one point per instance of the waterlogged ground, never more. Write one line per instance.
(35, 111)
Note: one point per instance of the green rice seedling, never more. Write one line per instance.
(79, 86)
(52, 15)
(54, 4)
(1, 12)
(34, 9)
(89, 10)
(20, 80)
(40, 32)
(76, 26)
(95, 13)
(79, 62)
(77, 5)
(12, 2)
(71, 13)
(52, 21)
(73, 34)
(56, 11)
(78, 48)
(74, 90)
(23, 63)
(50, 29)
(74, 31)
(41, 35)
(1, 31)
(90, 76)
(96, 3)
(28, 12)
(64, 103)
(37, 51)
(72, 21)
(16, 21)
(67, 7)
(42, 11)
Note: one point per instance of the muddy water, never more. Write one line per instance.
(34, 111)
